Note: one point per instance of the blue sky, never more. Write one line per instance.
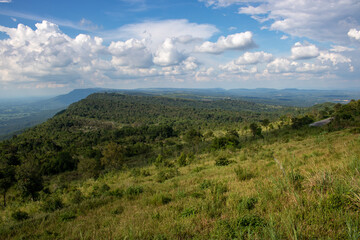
(52, 47)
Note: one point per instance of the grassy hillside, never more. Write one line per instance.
(129, 167)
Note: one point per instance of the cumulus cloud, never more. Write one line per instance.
(157, 31)
(335, 58)
(46, 57)
(132, 52)
(353, 33)
(253, 58)
(168, 54)
(322, 20)
(304, 51)
(238, 41)
(280, 65)
(5, 1)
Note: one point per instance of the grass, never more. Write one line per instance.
(311, 192)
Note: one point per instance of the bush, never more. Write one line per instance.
(20, 215)
(166, 174)
(222, 161)
(51, 204)
(133, 191)
(76, 197)
(182, 160)
(242, 174)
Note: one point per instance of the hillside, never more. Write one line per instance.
(144, 167)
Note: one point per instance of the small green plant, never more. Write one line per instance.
(205, 184)
(182, 160)
(20, 215)
(247, 203)
(250, 221)
(134, 191)
(222, 161)
(242, 174)
(119, 193)
(160, 199)
(118, 210)
(187, 212)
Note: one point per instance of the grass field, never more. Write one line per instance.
(302, 187)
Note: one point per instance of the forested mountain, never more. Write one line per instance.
(140, 166)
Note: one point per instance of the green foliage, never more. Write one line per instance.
(188, 212)
(76, 197)
(62, 162)
(222, 161)
(166, 173)
(52, 204)
(133, 191)
(181, 161)
(255, 130)
(19, 215)
(67, 216)
(7, 178)
(301, 121)
(160, 199)
(113, 156)
(242, 174)
(118, 210)
(29, 179)
(247, 203)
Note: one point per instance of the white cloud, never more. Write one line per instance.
(168, 54)
(238, 41)
(335, 58)
(284, 37)
(132, 52)
(321, 20)
(337, 48)
(311, 67)
(5, 1)
(253, 58)
(224, 3)
(353, 33)
(280, 65)
(157, 31)
(304, 51)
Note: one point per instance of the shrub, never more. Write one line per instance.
(222, 161)
(119, 193)
(182, 160)
(51, 204)
(242, 174)
(76, 197)
(166, 174)
(133, 191)
(20, 215)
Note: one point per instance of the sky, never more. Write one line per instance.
(50, 47)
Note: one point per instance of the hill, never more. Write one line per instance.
(148, 167)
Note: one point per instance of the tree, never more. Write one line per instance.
(113, 156)
(29, 179)
(255, 129)
(265, 122)
(7, 179)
